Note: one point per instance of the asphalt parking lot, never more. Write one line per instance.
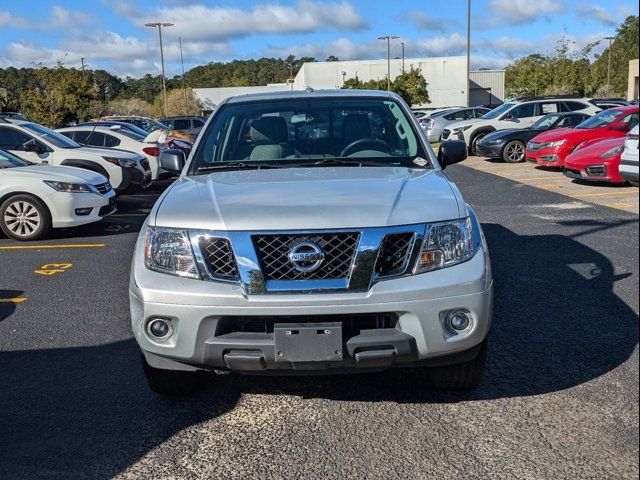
(559, 399)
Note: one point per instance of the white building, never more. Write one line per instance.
(445, 80)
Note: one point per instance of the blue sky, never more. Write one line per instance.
(110, 34)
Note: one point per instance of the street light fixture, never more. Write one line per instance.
(388, 38)
(468, 53)
(609, 64)
(159, 25)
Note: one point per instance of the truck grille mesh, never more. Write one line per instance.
(338, 248)
(394, 254)
(219, 258)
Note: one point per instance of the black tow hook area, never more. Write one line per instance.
(382, 347)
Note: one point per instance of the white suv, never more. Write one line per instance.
(520, 113)
(629, 161)
(37, 144)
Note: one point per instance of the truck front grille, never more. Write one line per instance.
(338, 248)
(394, 254)
(219, 259)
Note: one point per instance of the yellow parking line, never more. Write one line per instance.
(522, 179)
(13, 300)
(48, 247)
(583, 195)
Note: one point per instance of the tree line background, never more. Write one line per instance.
(58, 95)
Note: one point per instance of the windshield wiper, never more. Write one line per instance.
(349, 163)
(234, 165)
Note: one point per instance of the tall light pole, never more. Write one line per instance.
(402, 58)
(468, 53)
(388, 38)
(164, 81)
(609, 64)
(184, 89)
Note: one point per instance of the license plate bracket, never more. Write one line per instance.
(308, 342)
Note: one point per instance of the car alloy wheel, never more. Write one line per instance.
(22, 218)
(514, 152)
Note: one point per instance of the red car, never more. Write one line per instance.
(549, 149)
(598, 161)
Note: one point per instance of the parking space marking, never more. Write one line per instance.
(49, 247)
(13, 300)
(50, 269)
(114, 227)
(600, 194)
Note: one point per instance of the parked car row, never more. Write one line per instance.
(589, 148)
(71, 176)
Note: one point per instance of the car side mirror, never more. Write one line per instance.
(172, 160)
(33, 148)
(451, 152)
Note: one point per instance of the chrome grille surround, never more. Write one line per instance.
(219, 259)
(359, 277)
(103, 188)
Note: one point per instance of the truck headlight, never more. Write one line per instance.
(69, 187)
(169, 251)
(446, 244)
(121, 162)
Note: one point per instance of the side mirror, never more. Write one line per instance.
(451, 152)
(172, 160)
(33, 148)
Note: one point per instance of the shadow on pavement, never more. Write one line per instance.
(87, 412)
(7, 308)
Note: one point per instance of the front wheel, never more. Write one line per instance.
(463, 376)
(173, 382)
(24, 217)
(514, 152)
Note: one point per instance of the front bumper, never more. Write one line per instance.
(63, 208)
(200, 313)
(548, 157)
(602, 172)
(135, 178)
(489, 150)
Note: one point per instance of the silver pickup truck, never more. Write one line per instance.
(311, 232)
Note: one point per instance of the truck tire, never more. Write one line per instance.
(24, 217)
(173, 382)
(464, 376)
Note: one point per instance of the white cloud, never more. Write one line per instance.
(602, 15)
(8, 20)
(201, 23)
(519, 12)
(429, 23)
(62, 18)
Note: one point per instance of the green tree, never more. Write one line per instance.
(62, 95)
(411, 86)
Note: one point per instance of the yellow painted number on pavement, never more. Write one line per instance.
(53, 268)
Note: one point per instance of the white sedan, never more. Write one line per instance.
(36, 198)
(116, 137)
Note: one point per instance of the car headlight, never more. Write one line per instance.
(169, 251)
(121, 162)
(446, 244)
(69, 187)
(557, 143)
(613, 152)
(461, 129)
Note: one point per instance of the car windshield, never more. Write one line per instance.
(600, 120)
(11, 161)
(496, 112)
(54, 138)
(323, 131)
(545, 122)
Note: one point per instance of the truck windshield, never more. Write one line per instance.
(322, 131)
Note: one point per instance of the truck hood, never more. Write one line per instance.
(308, 199)
(58, 174)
